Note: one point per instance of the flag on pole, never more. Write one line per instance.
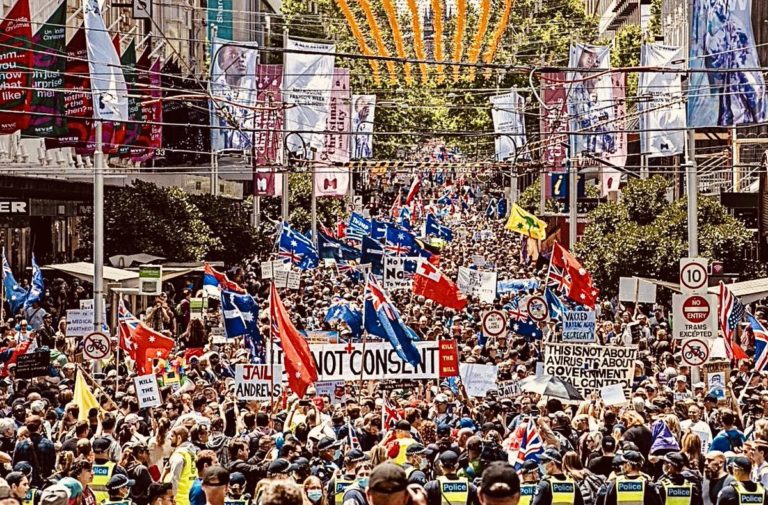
(431, 283)
(149, 345)
(522, 221)
(37, 287)
(241, 314)
(414, 189)
(83, 397)
(432, 227)
(126, 324)
(730, 313)
(214, 281)
(14, 294)
(296, 248)
(761, 343)
(390, 415)
(524, 444)
(383, 320)
(110, 93)
(574, 280)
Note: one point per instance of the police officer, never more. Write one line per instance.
(630, 487)
(677, 486)
(343, 479)
(530, 477)
(328, 459)
(555, 488)
(103, 469)
(32, 496)
(415, 464)
(236, 494)
(119, 487)
(742, 490)
(499, 485)
(355, 494)
(449, 488)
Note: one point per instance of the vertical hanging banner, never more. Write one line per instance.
(554, 121)
(110, 94)
(590, 102)
(721, 43)
(507, 114)
(363, 112)
(307, 84)
(220, 16)
(337, 124)
(233, 88)
(610, 177)
(660, 100)
(131, 129)
(150, 134)
(46, 110)
(15, 68)
(269, 126)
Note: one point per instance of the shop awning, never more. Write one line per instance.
(747, 291)
(127, 278)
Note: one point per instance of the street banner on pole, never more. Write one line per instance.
(233, 92)
(507, 113)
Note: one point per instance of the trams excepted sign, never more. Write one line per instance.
(695, 316)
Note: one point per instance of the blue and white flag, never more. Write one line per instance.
(341, 310)
(373, 254)
(329, 247)
(14, 294)
(358, 227)
(513, 285)
(37, 288)
(296, 248)
(432, 227)
(383, 320)
(110, 93)
(378, 229)
(241, 314)
(557, 308)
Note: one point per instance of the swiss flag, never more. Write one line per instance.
(431, 283)
(299, 363)
(581, 289)
(148, 345)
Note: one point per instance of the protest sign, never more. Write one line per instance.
(613, 395)
(266, 270)
(590, 367)
(632, 289)
(379, 361)
(217, 336)
(196, 308)
(147, 391)
(294, 280)
(478, 379)
(280, 278)
(33, 364)
(508, 389)
(322, 336)
(395, 275)
(449, 358)
(477, 283)
(578, 326)
(80, 322)
(258, 382)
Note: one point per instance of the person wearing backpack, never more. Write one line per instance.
(730, 438)
(589, 483)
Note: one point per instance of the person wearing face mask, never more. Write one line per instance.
(415, 464)
(313, 490)
(678, 486)
(715, 474)
(328, 453)
(355, 494)
(555, 487)
(630, 486)
(343, 479)
(236, 494)
(449, 488)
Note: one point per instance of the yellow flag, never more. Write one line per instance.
(526, 223)
(83, 397)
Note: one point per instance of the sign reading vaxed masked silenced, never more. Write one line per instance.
(591, 367)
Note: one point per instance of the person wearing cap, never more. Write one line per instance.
(442, 415)
(344, 478)
(403, 439)
(555, 487)
(137, 469)
(328, 453)
(236, 494)
(180, 470)
(677, 486)
(448, 488)
(630, 486)
(215, 482)
(529, 472)
(388, 485)
(415, 464)
(500, 485)
(741, 490)
(356, 493)
(103, 469)
(119, 487)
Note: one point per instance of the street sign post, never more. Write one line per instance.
(96, 346)
(693, 275)
(694, 316)
(694, 351)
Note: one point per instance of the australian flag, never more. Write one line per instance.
(557, 308)
(241, 316)
(432, 227)
(520, 322)
(403, 243)
(383, 320)
(341, 310)
(373, 254)
(358, 227)
(297, 248)
(329, 247)
(14, 294)
(37, 288)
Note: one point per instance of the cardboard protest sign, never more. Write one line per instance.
(579, 326)
(478, 379)
(258, 382)
(590, 367)
(147, 391)
(477, 283)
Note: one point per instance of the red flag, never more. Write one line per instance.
(147, 346)
(223, 280)
(298, 360)
(431, 283)
(415, 186)
(341, 229)
(580, 288)
(15, 89)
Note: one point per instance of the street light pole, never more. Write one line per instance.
(313, 211)
(572, 203)
(98, 236)
(692, 182)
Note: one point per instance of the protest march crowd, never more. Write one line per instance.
(377, 368)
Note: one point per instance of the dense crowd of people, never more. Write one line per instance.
(673, 442)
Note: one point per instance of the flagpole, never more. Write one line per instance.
(2, 290)
(269, 351)
(365, 339)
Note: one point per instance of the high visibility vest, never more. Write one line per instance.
(236, 501)
(678, 495)
(630, 491)
(118, 502)
(188, 476)
(339, 486)
(101, 475)
(526, 493)
(563, 491)
(745, 497)
(455, 492)
(402, 457)
(29, 498)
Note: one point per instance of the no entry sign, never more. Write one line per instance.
(696, 309)
(695, 316)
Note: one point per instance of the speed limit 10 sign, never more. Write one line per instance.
(694, 278)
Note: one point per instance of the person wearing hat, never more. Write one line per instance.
(500, 485)
(119, 487)
(137, 469)
(741, 489)
(403, 439)
(328, 453)
(529, 472)
(180, 470)
(416, 464)
(677, 486)
(236, 494)
(555, 487)
(356, 493)
(215, 482)
(630, 485)
(448, 488)
(759, 463)
(103, 469)
(345, 478)
(388, 485)
(442, 415)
